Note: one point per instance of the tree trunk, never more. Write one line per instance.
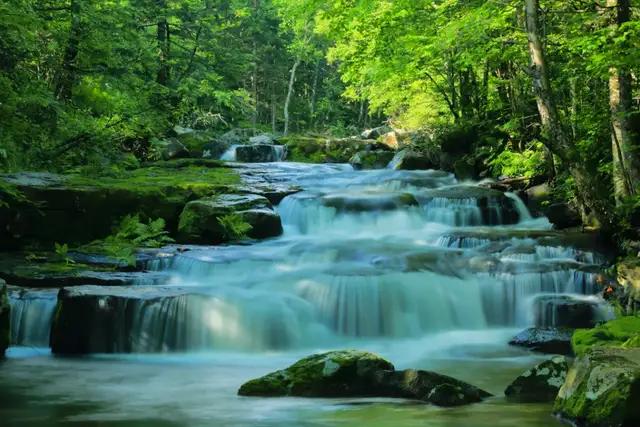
(292, 80)
(162, 38)
(588, 191)
(626, 170)
(314, 92)
(68, 71)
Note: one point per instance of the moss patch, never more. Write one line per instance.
(623, 333)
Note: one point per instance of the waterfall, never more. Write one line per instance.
(31, 316)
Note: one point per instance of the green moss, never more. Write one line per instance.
(622, 332)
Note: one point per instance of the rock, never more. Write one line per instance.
(214, 149)
(363, 201)
(391, 140)
(371, 159)
(540, 383)
(540, 203)
(494, 206)
(545, 340)
(375, 133)
(565, 311)
(172, 149)
(628, 278)
(262, 139)
(322, 150)
(99, 319)
(410, 159)
(623, 332)
(200, 221)
(5, 319)
(333, 374)
(356, 374)
(602, 389)
(441, 390)
(261, 153)
(237, 136)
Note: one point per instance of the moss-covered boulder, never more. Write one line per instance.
(540, 383)
(413, 159)
(5, 318)
(332, 374)
(602, 389)
(314, 149)
(378, 159)
(227, 217)
(623, 332)
(352, 373)
(545, 340)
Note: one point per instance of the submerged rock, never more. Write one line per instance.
(203, 221)
(369, 201)
(545, 340)
(5, 318)
(378, 159)
(354, 373)
(540, 383)
(602, 389)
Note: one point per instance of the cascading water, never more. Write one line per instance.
(31, 315)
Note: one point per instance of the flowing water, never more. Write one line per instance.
(426, 271)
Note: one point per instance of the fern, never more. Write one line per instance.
(234, 226)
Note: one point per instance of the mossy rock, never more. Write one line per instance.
(201, 221)
(545, 340)
(602, 389)
(623, 332)
(378, 159)
(540, 383)
(5, 318)
(332, 374)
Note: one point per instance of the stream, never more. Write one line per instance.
(428, 272)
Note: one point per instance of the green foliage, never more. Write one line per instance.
(234, 226)
(129, 236)
(62, 253)
(623, 332)
(528, 163)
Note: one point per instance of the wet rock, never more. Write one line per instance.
(540, 383)
(540, 202)
(369, 201)
(545, 340)
(262, 139)
(274, 192)
(371, 159)
(565, 311)
(202, 221)
(214, 149)
(411, 159)
(261, 153)
(602, 389)
(170, 149)
(5, 319)
(441, 390)
(375, 133)
(353, 373)
(93, 319)
(332, 374)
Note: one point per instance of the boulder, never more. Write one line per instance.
(261, 153)
(237, 136)
(369, 201)
(411, 159)
(202, 221)
(565, 311)
(545, 340)
(170, 149)
(376, 133)
(628, 285)
(333, 374)
(540, 202)
(214, 149)
(262, 139)
(602, 389)
(540, 383)
(441, 390)
(378, 159)
(5, 319)
(354, 373)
